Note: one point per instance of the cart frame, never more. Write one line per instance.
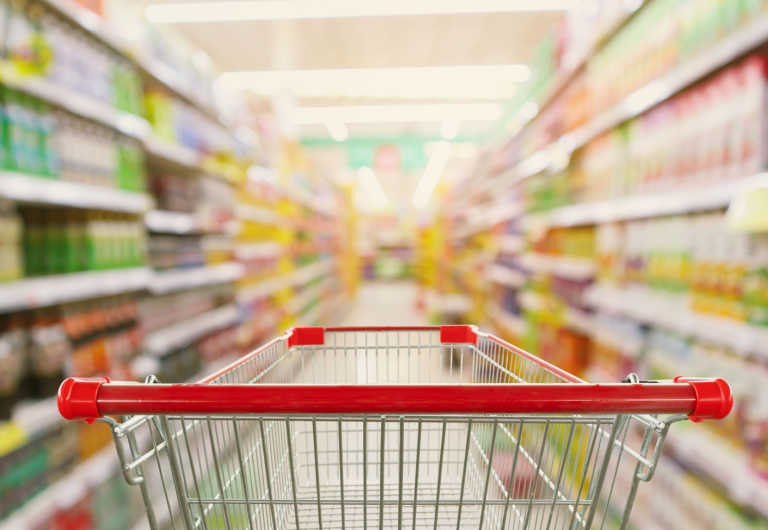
(390, 427)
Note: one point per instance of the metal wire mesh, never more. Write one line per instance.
(389, 471)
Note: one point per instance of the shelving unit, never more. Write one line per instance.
(187, 331)
(579, 269)
(93, 25)
(39, 190)
(724, 52)
(672, 311)
(592, 311)
(44, 291)
(651, 205)
(178, 279)
(210, 229)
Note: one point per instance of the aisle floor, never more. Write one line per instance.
(385, 304)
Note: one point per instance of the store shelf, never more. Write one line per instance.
(682, 76)
(576, 269)
(175, 154)
(728, 467)
(503, 275)
(569, 71)
(447, 303)
(161, 73)
(84, 106)
(511, 244)
(66, 492)
(167, 222)
(313, 316)
(247, 212)
(298, 277)
(484, 217)
(49, 290)
(507, 321)
(177, 279)
(36, 416)
(307, 295)
(187, 331)
(305, 198)
(672, 311)
(701, 198)
(39, 190)
(249, 251)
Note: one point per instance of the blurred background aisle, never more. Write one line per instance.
(384, 303)
(181, 181)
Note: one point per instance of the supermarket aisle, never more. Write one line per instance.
(385, 304)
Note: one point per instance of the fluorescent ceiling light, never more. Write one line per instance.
(370, 191)
(429, 179)
(494, 82)
(450, 129)
(337, 130)
(438, 112)
(224, 11)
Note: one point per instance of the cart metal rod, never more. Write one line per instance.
(89, 398)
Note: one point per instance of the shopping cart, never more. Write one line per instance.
(424, 427)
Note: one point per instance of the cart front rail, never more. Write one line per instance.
(92, 398)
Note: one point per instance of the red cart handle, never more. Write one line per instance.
(698, 398)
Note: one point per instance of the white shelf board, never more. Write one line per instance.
(672, 311)
(177, 279)
(169, 222)
(298, 277)
(577, 269)
(49, 290)
(682, 76)
(248, 251)
(187, 331)
(511, 244)
(80, 105)
(174, 153)
(701, 198)
(247, 212)
(66, 492)
(709, 455)
(33, 189)
(507, 320)
(503, 275)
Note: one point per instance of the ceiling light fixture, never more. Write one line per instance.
(438, 113)
(225, 11)
(337, 129)
(450, 129)
(374, 196)
(431, 176)
(476, 82)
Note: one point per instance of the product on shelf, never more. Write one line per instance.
(60, 241)
(39, 141)
(175, 251)
(11, 248)
(176, 193)
(40, 43)
(157, 312)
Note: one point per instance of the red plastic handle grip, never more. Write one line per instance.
(80, 398)
(714, 399)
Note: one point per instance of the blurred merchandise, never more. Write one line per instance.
(59, 241)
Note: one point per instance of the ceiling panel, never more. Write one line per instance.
(373, 42)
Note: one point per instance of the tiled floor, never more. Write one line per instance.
(385, 304)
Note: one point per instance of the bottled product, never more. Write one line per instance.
(11, 259)
(12, 363)
(58, 241)
(48, 351)
(39, 141)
